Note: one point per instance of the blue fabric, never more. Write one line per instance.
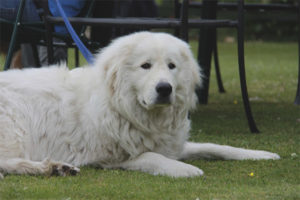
(9, 9)
(71, 8)
(85, 52)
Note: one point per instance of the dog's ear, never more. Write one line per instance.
(111, 61)
(110, 75)
(193, 76)
(107, 65)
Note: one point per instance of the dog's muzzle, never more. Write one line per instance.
(164, 90)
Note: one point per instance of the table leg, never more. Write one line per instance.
(207, 38)
(297, 100)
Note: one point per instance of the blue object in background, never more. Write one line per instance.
(85, 52)
(71, 8)
(9, 9)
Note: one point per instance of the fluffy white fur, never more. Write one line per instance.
(54, 120)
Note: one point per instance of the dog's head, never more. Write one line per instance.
(151, 70)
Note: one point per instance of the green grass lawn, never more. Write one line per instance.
(272, 79)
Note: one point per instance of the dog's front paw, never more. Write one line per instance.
(260, 155)
(158, 164)
(181, 169)
(60, 168)
(63, 169)
(265, 155)
(186, 170)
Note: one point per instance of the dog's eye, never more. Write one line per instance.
(171, 66)
(146, 66)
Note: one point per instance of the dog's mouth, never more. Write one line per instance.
(162, 95)
(164, 101)
(159, 102)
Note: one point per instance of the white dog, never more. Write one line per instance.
(129, 111)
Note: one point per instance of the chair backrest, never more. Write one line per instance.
(127, 22)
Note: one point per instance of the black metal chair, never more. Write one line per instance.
(131, 22)
(250, 7)
(273, 7)
(36, 33)
(207, 39)
(15, 27)
(67, 40)
(297, 99)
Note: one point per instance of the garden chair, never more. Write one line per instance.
(207, 39)
(15, 30)
(249, 7)
(272, 7)
(297, 99)
(36, 33)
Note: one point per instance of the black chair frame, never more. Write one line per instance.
(254, 7)
(39, 29)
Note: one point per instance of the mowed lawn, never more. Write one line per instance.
(272, 70)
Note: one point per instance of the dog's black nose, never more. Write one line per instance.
(164, 89)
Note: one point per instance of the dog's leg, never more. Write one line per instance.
(215, 151)
(46, 167)
(158, 164)
(16, 62)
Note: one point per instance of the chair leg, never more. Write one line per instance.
(35, 55)
(76, 57)
(297, 99)
(12, 43)
(177, 6)
(184, 33)
(242, 72)
(205, 48)
(48, 34)
(217, 68)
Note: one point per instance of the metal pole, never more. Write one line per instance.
(12, 43)
(205, 48)
(49, 36)
(184, 33)
(242, 71)
(217, 66)
(297, 100)
(76, 57)
(177, 7)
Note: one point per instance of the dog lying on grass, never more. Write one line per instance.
(129, 110)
